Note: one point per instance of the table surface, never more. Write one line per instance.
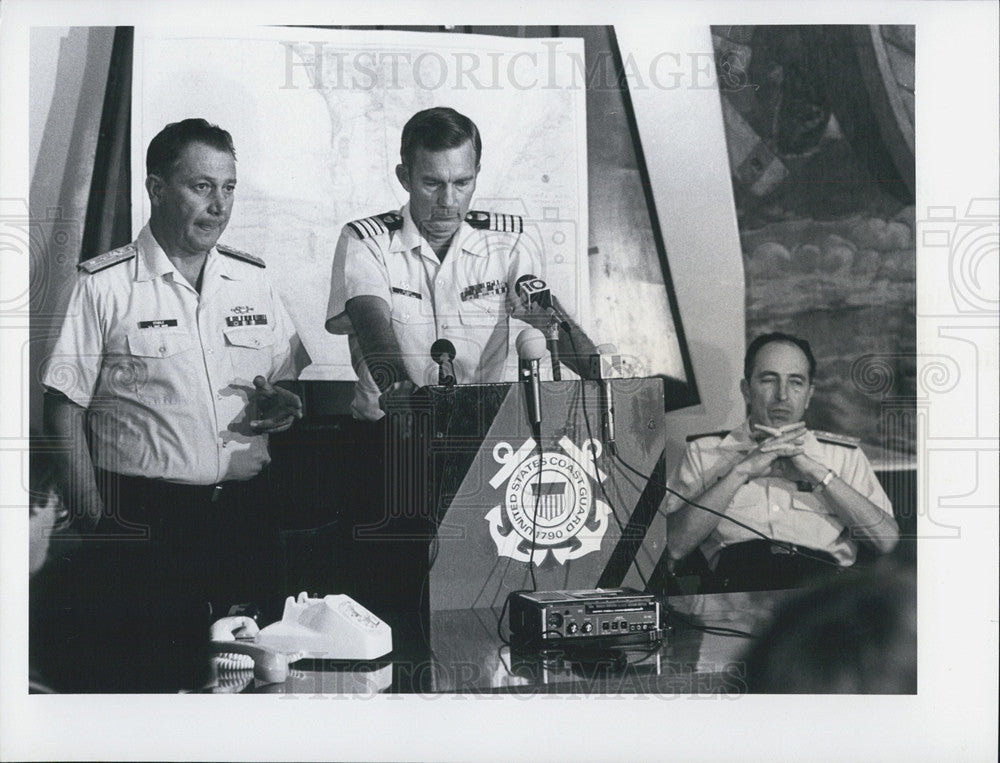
(461, 652)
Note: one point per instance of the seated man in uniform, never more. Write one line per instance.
(160, 386)
(812, 495)
(435, 270)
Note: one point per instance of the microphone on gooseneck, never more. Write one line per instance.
(535, 293)
(443, 353)
(605, 366)
(530, 345)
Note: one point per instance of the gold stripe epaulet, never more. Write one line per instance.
(106, 260)
(240, 255)
(693, 437)
(376, 225)
(497, 221)
(837, 439)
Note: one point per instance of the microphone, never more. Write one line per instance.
(605, 366)
(443, 353)
(534, 292)
(530, 345)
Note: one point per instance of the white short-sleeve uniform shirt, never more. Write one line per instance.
(170, 371)
(775, 505)
(466, 298)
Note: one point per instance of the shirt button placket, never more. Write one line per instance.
(444, 298)
(208, 360)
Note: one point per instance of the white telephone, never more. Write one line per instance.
(333, 628)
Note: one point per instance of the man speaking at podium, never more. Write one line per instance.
(434, 270)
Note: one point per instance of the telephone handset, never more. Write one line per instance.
(233, 642)
(269, 665)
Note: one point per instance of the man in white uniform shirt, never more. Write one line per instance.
(813, 493)
(434, 270)
(165, 365)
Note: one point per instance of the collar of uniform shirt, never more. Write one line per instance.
(229, 267)
(409, 238)
(154, 263)
(467, 233)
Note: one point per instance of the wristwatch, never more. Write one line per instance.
(827, 479)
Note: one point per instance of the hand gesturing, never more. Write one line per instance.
(277, 408)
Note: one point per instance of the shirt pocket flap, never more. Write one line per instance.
(252, 337)
(409, 310)
(748, 496)
(158, 344)
(803, 501)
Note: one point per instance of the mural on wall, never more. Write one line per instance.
(819, 126)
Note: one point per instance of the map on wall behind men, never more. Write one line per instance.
(316, 117)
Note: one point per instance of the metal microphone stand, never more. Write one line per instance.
(552, 343)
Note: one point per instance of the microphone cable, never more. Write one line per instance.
(785, 546)
(593, 456)
(670, 611)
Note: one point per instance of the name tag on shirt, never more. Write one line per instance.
(406, 292)
(158, 324)
(246, 320)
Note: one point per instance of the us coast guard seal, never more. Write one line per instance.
(549, 502)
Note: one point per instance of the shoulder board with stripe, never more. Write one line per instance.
(237, 254)
(837, 439)
(693, 437)
(495, 221)
(106, 260)
(376, 225)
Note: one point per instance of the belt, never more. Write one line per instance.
(759, 565)
(210, 493)
(778, 548)
(792, 548)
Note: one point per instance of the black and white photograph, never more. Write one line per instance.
(621, 381)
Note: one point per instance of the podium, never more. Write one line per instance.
(496, 511)
(433, 508)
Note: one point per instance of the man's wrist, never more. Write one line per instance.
(742, 476)
(810, 469)
(825, 481)
(405, 384)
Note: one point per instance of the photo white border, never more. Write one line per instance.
(953, 716)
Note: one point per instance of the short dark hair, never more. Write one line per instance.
(165, 149)
(776, 336)
(438, 129)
